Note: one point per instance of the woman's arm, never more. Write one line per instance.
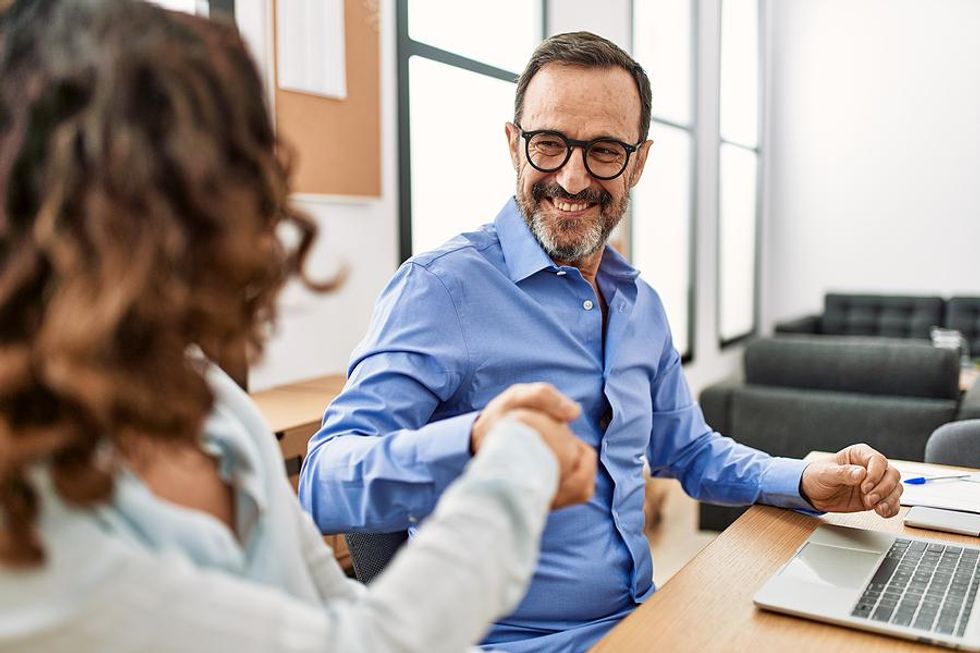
(469, 565)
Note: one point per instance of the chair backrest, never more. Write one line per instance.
(963, 314)
(874, 366)
(891, 316)
(371, 552)
(956, 443)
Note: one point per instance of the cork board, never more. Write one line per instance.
(337, 143)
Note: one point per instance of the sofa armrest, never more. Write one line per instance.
(970, 403)
(805, 324)
(716, 404)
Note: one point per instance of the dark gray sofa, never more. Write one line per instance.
(963, 314)
(871, 315)
(892, 316)
(805, 393)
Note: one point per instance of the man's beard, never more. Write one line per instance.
(552, 231)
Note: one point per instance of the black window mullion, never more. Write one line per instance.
(417, 48)
(404, 136)
(406, 49)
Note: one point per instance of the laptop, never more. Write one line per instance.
(907, 587)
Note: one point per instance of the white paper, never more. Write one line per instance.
(199, 7)
(310, 47)
(951, 494)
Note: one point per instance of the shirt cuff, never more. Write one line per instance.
(444, 447)
(781, 485)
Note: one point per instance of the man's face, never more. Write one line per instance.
(570, 212)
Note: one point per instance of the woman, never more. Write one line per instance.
(143, 504)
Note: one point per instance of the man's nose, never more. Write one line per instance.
(573, 176)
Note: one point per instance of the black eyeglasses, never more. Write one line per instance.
(604, 158)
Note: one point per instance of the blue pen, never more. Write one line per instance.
(921, 480)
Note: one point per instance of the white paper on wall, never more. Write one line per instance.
(199, 7)
(310, 47)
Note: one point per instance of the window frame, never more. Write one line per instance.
(757, 150)
(407, 48)
(692, 131)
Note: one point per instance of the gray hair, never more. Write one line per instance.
(586, 50)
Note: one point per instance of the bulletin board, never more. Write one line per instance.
(337, 143)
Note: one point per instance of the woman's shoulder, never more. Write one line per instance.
(235, 423)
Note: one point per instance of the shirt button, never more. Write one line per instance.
(587, 304)
(412, 519)
(560, 273)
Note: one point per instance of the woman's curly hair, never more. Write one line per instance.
(141, 198)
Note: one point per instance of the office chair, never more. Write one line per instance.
(371, 552)
(955, 443)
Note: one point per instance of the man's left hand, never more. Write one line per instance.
(856, 478)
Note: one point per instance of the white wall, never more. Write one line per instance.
(317, 333)
(874, 180)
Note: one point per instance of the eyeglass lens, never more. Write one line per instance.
(604, 158)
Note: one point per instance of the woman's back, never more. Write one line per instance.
(140, 573)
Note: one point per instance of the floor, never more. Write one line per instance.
(674, 539)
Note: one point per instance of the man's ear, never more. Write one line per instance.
(513, 140)
(640, 161)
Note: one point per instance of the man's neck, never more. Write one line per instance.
(589, 267)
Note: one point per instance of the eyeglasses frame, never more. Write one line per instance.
(570, 144)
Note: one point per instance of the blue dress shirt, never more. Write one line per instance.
(458, 325)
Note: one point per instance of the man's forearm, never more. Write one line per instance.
(354, 481)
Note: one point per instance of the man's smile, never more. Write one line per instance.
(570, 209)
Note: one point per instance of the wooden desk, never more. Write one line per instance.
(294, 412)
(708, 605)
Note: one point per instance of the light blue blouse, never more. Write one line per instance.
(142, 574)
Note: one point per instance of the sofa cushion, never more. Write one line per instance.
(792, 422)
(881, 315)
(963, 314)
(874, 366)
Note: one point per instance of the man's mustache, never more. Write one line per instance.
(552, 190)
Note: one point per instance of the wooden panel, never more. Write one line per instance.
(285, 410)
(337, 143)
(341, 553)
(297, 405)
(331, 385)
(717, 587)
(293, 442)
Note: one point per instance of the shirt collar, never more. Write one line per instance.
(614, 265)
(522, 252)
(524, 255)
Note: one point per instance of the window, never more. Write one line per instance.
(456, 76)
(662, 216)
(738, 195)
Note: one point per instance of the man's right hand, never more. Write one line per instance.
(543, 408)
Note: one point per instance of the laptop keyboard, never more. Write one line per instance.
(923, 585)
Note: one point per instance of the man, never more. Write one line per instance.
(537, 296)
